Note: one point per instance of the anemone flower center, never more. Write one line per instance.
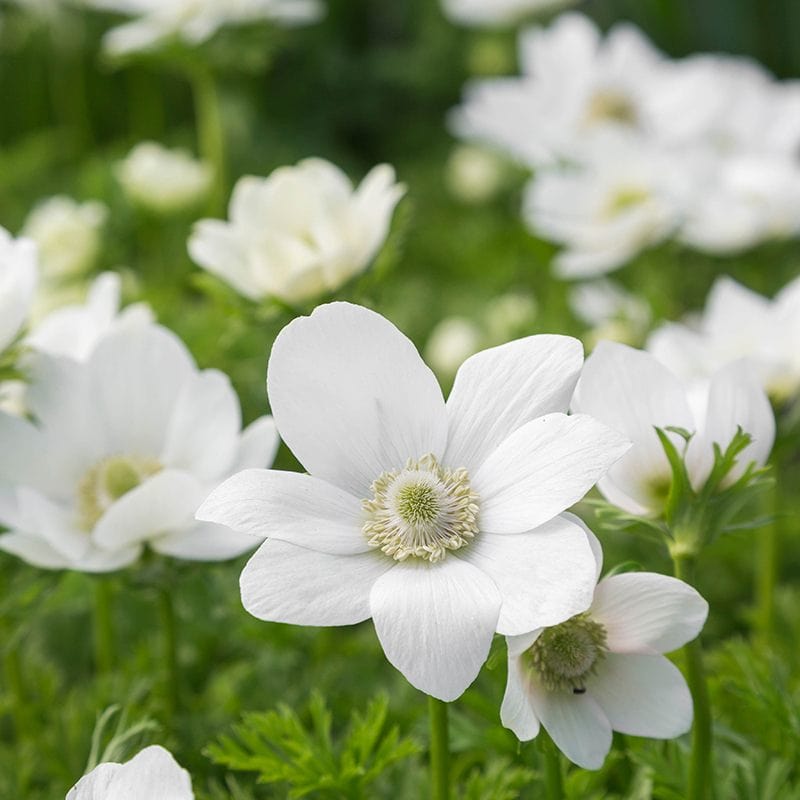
(107, 481)
(565, 655)
(421, 511)
(608, 105)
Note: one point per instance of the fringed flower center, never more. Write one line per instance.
(421, 511)
(566, 655)
(109, 480)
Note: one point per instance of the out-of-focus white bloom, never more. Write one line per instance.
(18, 277)
(153, 774)
(738, 323)
(75, 330)
(509, 315)
(67, 234)
(300, 233)
(633, 392)
(163, 180)
(441, 522)
(604, 671)
(194, 21)
(497, 12)
(741, 201)
(575, 85)
(452, 342)
(125, 447)
(606, 212)
(473, 174)
(610, 311)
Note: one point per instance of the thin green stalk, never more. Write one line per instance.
(699, 785)
(551, 762)
(12, 667)
(439, 750)
(103, 626)
(210, 132)
(767, 569)
(170, 652)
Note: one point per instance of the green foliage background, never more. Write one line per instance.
(373, 82)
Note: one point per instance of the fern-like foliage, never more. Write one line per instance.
(307, 759)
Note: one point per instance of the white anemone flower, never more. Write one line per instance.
(124, 449)
(603, 670)
(440, 521)
(633, 392)
(75, 330)
(194, 21)
(153, 774)
(163, 180)
(575, 84)
(497, 12)
(738, 323)
(68, 235)
(300, 233)
(18, 278)
(606, 211)
(610, 311)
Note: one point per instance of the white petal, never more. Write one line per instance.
(545, 576)
(517, 645)
(164, 503)
(499, 390)
(205, 541)
(516, 712)
(203, 432)
(351, 396)
(735, 399)
(34, 550)
(289, 506)
(594, 542)
(96, 785)
(286, 583)
(435, 623)
(258, 445)
(153, 774)
(632, 392)
(55, 523)
(137, 374)
(648, 613)
(576, 723)
(542, 469)
(21, 451)
(642, 695)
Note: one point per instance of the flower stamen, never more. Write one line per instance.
(421, 511)
(566, 655)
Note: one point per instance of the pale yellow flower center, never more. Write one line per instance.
(607, 105)
(566, 655)
(107, 481)
(421, 511)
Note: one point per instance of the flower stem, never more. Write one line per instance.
(103, 627)
(13, 676)
(767, 566)
(439, 750)
(553, 778)
(700, 763)
(210, 132)
(170, 652)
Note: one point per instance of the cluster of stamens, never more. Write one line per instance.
(107, 481)
(609, 105)
(421, 511)
(566, 655)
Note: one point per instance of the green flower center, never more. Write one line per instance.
(421, 511)
(107, 481)
(566, 655)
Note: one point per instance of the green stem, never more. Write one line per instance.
(170, 652)
(553, 777)
(103, 627)
(767, 566)
(700, 763)
(439, 750)
(210, 132)
(12, 665)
